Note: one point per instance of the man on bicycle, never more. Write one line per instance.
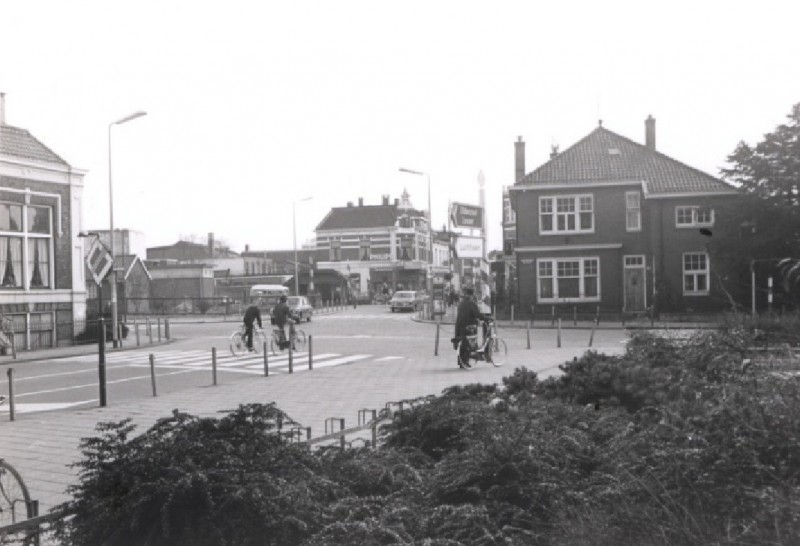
(282, 315)
(251, 315)
(467, 314)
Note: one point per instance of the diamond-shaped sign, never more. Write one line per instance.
(99, 261)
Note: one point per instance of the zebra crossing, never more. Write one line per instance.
(252, 363)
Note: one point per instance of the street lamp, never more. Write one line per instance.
(120, 121)
(430, 236)
(294, 239)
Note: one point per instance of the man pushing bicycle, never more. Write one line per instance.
(468, 314)
(282, 315)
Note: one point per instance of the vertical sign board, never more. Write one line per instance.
(99, 261)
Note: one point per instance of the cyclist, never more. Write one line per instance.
(468, 314)
(282, 315)
(251, 315)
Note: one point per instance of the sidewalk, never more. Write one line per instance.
(43, 445)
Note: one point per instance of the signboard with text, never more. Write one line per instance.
(466, 216)
(468, 247)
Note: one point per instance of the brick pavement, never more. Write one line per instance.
(42, 445)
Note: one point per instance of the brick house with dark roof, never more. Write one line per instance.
(614, 224)
(42, 284)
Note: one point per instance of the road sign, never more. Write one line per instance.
(466, 216)
(99, 261)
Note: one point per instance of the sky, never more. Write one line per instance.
(253, 106)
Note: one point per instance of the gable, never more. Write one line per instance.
(19, 143)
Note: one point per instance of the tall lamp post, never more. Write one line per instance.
(429, 275)
(126, 119)
(294, 239)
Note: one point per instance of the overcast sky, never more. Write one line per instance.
(254, 105)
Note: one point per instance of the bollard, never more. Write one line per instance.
(512, 313)
(591, 336)
(436, 345)
(119, 334)
(533, 315)
(11, 412)
(291, 357)
(153, 374)
(341, 438)
(528, 329)
(552, 315)
(558, 335)
(213, 365)
(166, 328)
(150, 331)
(101, 363)
(136, 327)
(266, 361)
(159, 329)
(597, 315)
(310, 352)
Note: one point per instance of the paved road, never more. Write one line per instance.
(380, 360)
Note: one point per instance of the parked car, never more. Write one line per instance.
(405, 300)
(300, 307)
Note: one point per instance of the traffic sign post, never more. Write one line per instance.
(100, 262)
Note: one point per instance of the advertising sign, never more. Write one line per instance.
(466, 216)
(469, 247)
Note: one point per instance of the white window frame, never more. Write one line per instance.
(636, 210)
(582, 276)
(575, 213)
(695, 274)
(25, 235)
(694, 213)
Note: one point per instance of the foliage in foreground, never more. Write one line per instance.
(675, 442)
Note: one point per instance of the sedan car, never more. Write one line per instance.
(300, 307)
(405, 300)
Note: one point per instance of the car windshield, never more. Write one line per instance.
(404, 295)
(293, 300)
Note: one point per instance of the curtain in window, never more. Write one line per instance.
(39, 262)
(11, 261)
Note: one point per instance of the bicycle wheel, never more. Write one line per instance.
(299, 340)
(14, 497)
(238, 345)
(274, 342)
(496, 352)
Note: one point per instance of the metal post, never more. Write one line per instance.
(166, 328)
(558, 335)
(552, 315)
(310, 352)
(436, 346)
(291, 357)
(597, 315)
(213, 365)
(153, 374)
(591, 336)
(11, 412)
(136, 327)
(533, 314)
(769, 296)
(752, 288)
(341, 438)
(266, 361)
(150, 331)
(101, 362)
(159, 329)
(512, 313)
(528, 330)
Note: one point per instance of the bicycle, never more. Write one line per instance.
(15, 501)
(279, 342)
(493, 349)
(238, 343)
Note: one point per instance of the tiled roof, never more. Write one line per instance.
(604, 156)
(20, 143)
(365, 216)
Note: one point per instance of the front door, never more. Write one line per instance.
(634, 279)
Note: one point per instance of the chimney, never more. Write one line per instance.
(360, 201)
(553, 151)
(650, 132)
(210, 245)
(519, 155)
(247, 248)
(2, 108)
(385, 200)
(349, 204)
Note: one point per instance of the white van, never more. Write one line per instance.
(269, 293)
